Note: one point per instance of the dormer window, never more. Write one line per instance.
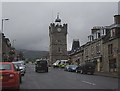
(113, 33)
(104, 32)
(98, 35)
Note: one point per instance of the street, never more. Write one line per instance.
(60, 79)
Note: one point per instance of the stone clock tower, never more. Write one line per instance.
(58, 41)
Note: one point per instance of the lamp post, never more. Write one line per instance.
(0, 46)
(5, 19)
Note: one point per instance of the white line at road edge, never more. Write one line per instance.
(89, 83)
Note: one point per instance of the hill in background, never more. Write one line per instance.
(32, 54)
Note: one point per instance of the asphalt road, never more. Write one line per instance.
(60, 79)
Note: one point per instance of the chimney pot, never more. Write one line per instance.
(117, 19)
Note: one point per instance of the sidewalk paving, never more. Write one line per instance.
(108, 74)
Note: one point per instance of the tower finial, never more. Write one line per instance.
(58, 15)
(58, 19)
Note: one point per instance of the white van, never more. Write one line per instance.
(63, 63)
(60, 63)
(56, 64)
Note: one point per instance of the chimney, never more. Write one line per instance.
(117, 19)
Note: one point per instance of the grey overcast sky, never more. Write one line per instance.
(29, 21)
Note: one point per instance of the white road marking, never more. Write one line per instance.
(89, 83)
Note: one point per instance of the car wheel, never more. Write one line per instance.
(20, 79)
(18, 88)
(46, 70)
(92, 73)
(36, 71)
(85, 72)
(23, 74)
(68, 70)
(76, 71)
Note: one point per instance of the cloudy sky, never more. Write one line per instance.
(29, 21)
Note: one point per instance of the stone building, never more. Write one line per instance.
(58, 41)
(93, 49)
(8, 52)
(76, 56)
(75, 53)
(111, 47)
(76, 44)
(6, 47)
(102, 48)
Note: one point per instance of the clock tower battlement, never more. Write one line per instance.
(57, 28)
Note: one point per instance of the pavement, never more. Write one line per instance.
(108, 74)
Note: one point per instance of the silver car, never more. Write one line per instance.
(21, 67)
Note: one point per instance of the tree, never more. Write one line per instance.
(21, 56)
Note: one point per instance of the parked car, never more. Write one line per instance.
(21, 67)
(9, 76)
(41, 66)
(18, 69)
(71, 68)
(23, 62)
(86, 67)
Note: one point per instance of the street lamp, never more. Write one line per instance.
(5, 19)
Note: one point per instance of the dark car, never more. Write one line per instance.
(86, 67)
(71, 68)
(41, 66)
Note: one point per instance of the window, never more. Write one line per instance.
(86, 52)
(98, 35)
(92, 38)
(5, 66)
(113, 32)
(59, 49)
(110, 49)
(59, 41)
(92, 50)
(98, 48)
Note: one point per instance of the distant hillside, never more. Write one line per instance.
(34, 54)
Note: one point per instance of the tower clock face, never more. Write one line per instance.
(58, 29)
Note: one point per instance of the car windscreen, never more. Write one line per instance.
(57, 62)
(19, 64)
(73, 66)
(42, 63)
(5, 67)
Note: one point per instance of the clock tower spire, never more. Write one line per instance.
(58, 19)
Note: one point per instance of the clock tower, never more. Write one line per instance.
(58, 41)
